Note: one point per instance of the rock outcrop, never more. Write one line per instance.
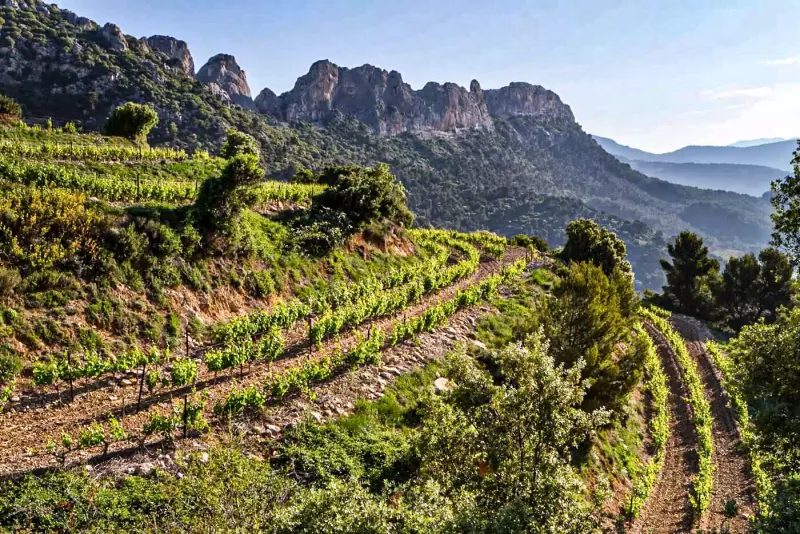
(176, 50)
(520, 98)
(113, 37)
(380, 99)
(268, 103)
(223, 72)
(389, 106)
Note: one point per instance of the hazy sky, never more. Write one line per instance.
(653, 74)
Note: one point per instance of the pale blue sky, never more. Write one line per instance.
(653, 74)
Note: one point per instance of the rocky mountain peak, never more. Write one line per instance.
(383, 101)
(113, 36)
(378, 98)
(524, 99)
(224, 77)
(174, 49)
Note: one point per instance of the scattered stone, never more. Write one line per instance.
(126, 382)
(203, 458)
(145, 469)
(441, 385)
(317, 416)
(88, 468)
(387, 376)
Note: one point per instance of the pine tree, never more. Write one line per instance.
(689, 276)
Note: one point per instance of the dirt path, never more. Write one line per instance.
(23, 435)
(668, 510)
(732, 478)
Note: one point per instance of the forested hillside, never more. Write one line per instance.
(187, 345)
(491, 176)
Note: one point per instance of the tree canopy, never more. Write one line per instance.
(239, 143)
(363, 195)
(588, 241)
(786, 216)
(133, 121)
(687, 290)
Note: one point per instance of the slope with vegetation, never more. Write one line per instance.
(502, 176)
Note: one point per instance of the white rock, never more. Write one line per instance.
(203, 458)
(441, 385)
(145, 469)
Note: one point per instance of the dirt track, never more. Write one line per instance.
(668, 510)
(732, 478)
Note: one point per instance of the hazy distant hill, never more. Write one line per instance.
(757, 142)
(777, 155)
(748, 179)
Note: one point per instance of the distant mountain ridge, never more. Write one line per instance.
(763, 141)
(470, 159)
(776, 155)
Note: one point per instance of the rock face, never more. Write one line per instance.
(388, 105)
(268, 103)
(113, 36)
(174, 49)
(223, 71)
(520, 98)
(380, 99)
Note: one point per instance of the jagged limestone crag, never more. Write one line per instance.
(381, 99)
(175, 49)
(223, 76)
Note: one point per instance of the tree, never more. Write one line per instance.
(304, 176)
(220, 200)
(587, 321)
(736, 296)
(687, 290)
(752, 288)
(10, 107)
(133, 121)
(786, 215)
(588, 241)
(364, 195)
(776, 287)
(239, 143)
(507, 440)
(767, 364)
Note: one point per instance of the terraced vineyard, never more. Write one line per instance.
(704, 468)
(263, 357)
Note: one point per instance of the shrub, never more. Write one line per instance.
(9, 107)
(133, 121)
(10, 365)
(239, 144)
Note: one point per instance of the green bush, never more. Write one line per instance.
(10, 364)
(239, 144)
(9, 107)
(133, 121)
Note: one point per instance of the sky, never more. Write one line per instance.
(651, 74)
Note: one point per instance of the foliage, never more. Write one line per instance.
(10, 107)
(239, 144)
(767, 369)
(588, 242)
(655, 385)
(589, 318)
(689, 275)
(752, 288)
(702, 482)
(733, 389)
(364, 195)
(786, 216)
(509, 442)
(131, 120)
(220, 200)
